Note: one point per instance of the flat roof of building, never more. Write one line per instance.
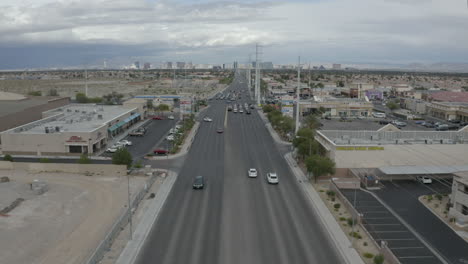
(349, 138)
(73, 118)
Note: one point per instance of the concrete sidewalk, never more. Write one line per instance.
(338, 237)
(130, 253)
(273, 133)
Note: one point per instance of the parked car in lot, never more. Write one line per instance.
(419, 122)
(429, 125)
(442, 127)
(424, 179)
(158, 117)
(171, 117)
(170, 138)
(219, 130)
(160, 151)
(198, 182)
(252, 172)
(113, 149)
(272, 178)
(138, 132)
(384, 122)
(125, 142)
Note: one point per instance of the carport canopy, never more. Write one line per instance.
(421, 170)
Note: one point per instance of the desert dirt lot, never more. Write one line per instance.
(63, 225)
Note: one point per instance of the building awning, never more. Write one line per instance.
(116, 126)
(421, 170)
(132, 117)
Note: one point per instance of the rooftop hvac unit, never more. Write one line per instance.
(77, 111)
(57, 129)
(46, 130)
(83, 112)
(69, 110)
(99, 116)
(428, 141)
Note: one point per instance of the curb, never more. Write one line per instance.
(185, 147)
(441, 219)
(273, 133)
(133, 248)
(341, 242)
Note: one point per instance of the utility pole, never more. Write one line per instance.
(129, 207)
(249, 74)
(86, 82)
(298, 93)
(257, 75)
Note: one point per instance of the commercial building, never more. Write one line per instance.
(16, 110)
(459, 199)
(338, 107)
(69, 130)
(395, 151)
(414, 105)
(448, 110)
(374, 94)
(444, 96)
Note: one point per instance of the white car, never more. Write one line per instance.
(241, 111)
(272, 178)
(178, 127)
(252, 173)
(424, 179)
(172, 131)
(170, 138)
(171, 117)
(113, 149)
(125, 142)
(207, 119)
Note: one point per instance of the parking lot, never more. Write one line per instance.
(370, 124)
(384, 226)
(155, 133)
(402, 197)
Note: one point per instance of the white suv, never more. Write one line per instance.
(252, 173)
(272, 178)
(424, 179)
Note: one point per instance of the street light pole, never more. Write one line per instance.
(129, 207)
(298, 93)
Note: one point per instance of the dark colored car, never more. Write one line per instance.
(219, 130)
(248, 112)
(160, 151)
(384, 122)
(198, 182)
(158, 117)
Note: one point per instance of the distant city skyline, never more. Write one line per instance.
(47, 33)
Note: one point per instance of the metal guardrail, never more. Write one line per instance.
(119, 224)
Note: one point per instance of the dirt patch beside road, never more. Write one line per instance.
(64, 224)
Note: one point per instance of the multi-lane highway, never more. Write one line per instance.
(236, 219)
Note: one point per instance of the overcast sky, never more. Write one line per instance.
(48, 33)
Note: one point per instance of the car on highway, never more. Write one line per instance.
(241, 110)
(235, 110)
(219, 130)
(158, 117)
(424, 179)
(272, 178)
(170, 138)
(252, 172)
(125, 142)
(171, 117)
(198, 182)
(252, 106)
(207, 119)
(160, 151)
(248, 112)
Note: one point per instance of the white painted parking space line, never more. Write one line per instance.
(383, 224)
(389, 231)
(400, 239)
(416, 257)
(400, 248)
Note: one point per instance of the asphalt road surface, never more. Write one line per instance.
(236, 219)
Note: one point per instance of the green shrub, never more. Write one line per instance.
(368, 255)
(438, 196)
(44, 160)
(330, 193)
(7, 157)
(350, 221)
(364, 244)
(379, 259)
(337, 206)
(342, 218)
(429, 198)
(355, 235)
(138, 165)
